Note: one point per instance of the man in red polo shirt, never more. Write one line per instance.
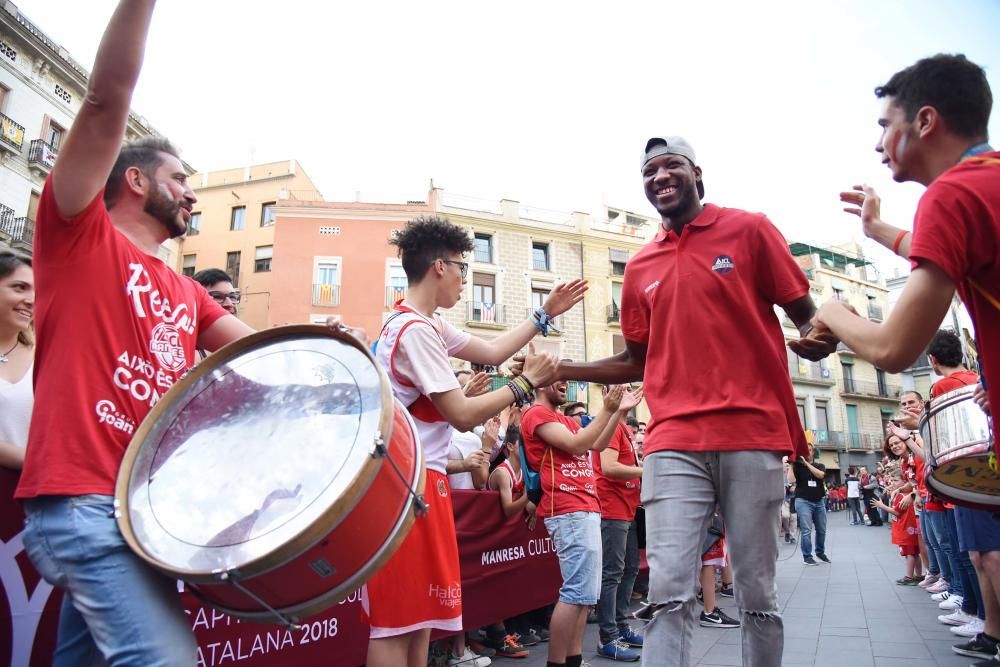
(559, 450)
(699, 324)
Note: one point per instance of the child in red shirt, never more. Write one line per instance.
(905, 526)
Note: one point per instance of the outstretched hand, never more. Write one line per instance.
(630, 399)
(866, 204)
(564, 296)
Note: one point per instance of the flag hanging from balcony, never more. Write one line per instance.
(11, 130)
(397, 294)
(489, 313)
(326, 293)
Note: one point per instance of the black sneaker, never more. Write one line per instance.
(823, 558)
(808, 560)
(717, 619)
(727, 591)
(529, 639)
(979, 646)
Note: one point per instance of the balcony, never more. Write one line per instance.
(863, 389)
(843, 349)
(614, 314)
(326, 295)
(393, 295)
(11, 135)
(490, 315)
(811, 374)
(866, 441)
(874, 312)
(41, 157)
(19, 233)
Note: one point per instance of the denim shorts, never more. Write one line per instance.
(978, 530)
(577, 539)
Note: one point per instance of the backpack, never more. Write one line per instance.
(532, 480)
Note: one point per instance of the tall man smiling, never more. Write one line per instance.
(698, 319)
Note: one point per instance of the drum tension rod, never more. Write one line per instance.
(232, 577)
(419, 504)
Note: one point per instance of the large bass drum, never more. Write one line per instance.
(958, 439)
(276, 477)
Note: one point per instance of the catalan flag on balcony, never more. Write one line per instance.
(489, 311)
(396, 294)
(326, 293)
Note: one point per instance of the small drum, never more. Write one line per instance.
(959, 444)
(276, 477)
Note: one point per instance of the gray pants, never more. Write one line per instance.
(620, 567)
(680, 491)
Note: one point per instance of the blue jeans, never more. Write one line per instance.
(812, 516)
(938, 543)
(115, 605)
(621, 565)
(577, 539)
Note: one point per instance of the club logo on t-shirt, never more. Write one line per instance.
(723, 264)
(165, 345)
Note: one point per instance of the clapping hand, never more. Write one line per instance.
(564, 296)
(630, 399)
(477, 385)
(866, 204)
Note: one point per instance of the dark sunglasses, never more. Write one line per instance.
(220, 297)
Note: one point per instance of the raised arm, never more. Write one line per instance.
(95, 139)
(865, 203)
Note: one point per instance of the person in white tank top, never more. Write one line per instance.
(17, 353)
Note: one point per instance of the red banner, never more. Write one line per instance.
(506, 570)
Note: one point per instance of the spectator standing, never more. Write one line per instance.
(809, 506)
(853, 483)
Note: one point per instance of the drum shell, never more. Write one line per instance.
(958, 439)
(355, 548)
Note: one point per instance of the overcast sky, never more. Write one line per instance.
(548, 103)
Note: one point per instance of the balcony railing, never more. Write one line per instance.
(326, 295)
(393, 295)
(867, 441)
(11, 134)
(16, 231)
(41, 156)
(874, 312)
(870, 389)
(812, 373)
(614, 313)
(486, 313)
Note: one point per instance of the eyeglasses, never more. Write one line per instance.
(220, 297)
(463, 266)
(577, 414)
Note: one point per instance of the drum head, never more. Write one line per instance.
(255, 455)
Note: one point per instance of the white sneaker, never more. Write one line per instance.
(941, 597)
(938, 587)
(970, 629)
(469, 659)
(952, 603)
(957, 617)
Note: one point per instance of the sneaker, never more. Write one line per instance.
(970, 629)
(717, 619)
(508, 647)
(907, 581)
(941, 597)
(940, 587)
(468, 659)
(630, 637)
(808, 560)
(529, 639)
(727, 591)
(928, 580)
(957, 617)
(788, 538)
(617, 650)
(479, 647)
(952, 603)
(979, 646)
(541, 633)
(823, 557)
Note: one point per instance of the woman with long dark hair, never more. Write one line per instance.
(17, 354)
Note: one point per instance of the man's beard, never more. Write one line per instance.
(165, 210)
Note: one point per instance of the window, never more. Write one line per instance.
(617, 344)
(188, 267)
(848, 370)
(886, 416)
(233, 266)
(883, 385)
(238, 221)
(194, 227)
(822, 418)
(634, 220)
(262, 259)
(538, 297)
(483, 248)
(54, 136)
(483, 297)
(802, 411)
(327, 273)
(267, 214)
(4, 92)
(540, 256)
(326, 281)
(618, 260)
(396, 287)
(838, 294)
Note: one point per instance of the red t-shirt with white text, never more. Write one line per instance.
(716, 375)
(115, 329)
(957, 228)
(568, 482)
(619, 497)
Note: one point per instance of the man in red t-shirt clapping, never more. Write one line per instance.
(559, 450)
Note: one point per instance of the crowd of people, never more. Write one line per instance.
(708, 471)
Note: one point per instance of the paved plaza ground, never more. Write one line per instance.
(847, 614)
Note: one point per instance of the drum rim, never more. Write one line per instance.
(310, 534)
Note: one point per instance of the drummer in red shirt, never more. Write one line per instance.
(559, 450)
(934, 120)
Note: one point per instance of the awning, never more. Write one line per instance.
(828, 459)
